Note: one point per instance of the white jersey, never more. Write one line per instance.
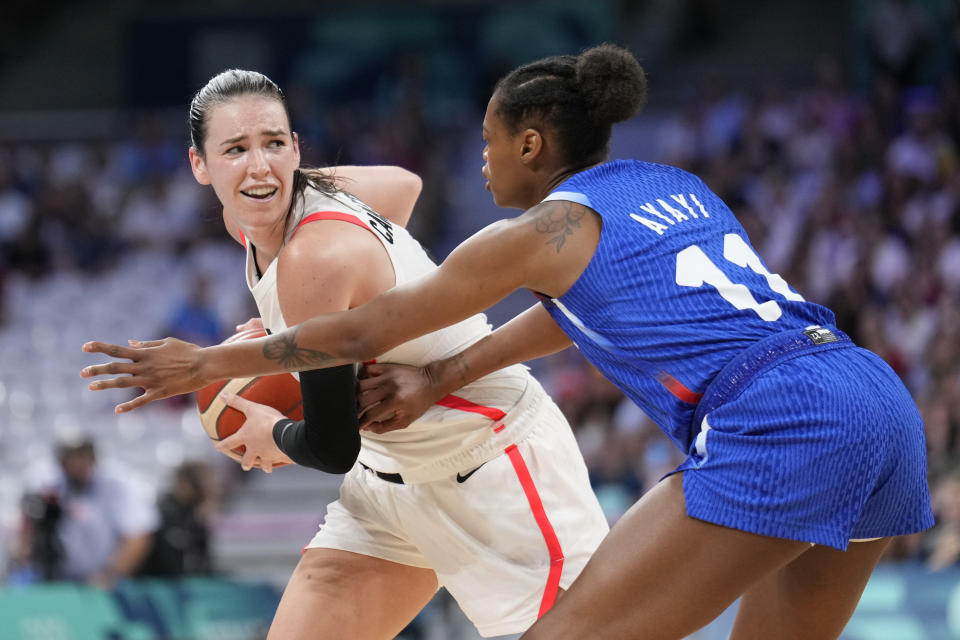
(463, 430)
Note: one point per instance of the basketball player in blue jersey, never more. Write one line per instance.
(805, 452)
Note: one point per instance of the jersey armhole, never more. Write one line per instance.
(332, 215)
(571, 196)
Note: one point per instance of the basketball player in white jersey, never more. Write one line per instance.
(486, 495)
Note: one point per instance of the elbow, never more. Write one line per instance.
(360, 347)
(339, 467)
(414, 186)
(343, 459)
(409, 188)
(407, 183)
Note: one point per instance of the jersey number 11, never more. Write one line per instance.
(695, 269)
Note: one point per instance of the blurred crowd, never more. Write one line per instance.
(853, 195)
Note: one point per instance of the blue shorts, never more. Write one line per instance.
(811, 441)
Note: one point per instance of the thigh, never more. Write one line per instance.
(813, 597)
(338, 594)
(365, 520)
(661, 574)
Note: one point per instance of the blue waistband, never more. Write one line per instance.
(761, 355)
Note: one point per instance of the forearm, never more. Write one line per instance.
(293, 349)
(328, 437)
(404, 312)
(532, 334)
(128, 556)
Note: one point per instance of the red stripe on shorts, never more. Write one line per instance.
(456, 402)
(549, 535)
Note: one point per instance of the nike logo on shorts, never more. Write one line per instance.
(463, 478)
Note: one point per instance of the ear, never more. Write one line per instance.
(531, 146)
(296, 145)
(199, 167)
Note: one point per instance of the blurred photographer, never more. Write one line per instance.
(83, 521)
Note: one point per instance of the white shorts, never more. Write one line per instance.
(502, 541)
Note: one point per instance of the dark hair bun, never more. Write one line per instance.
(612, 82)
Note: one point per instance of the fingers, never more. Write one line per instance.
(391, 424)
(112, 383)
(137, 402)
(248, 459)
(233, 441)
(376, 382)
(141, 344)
(378, 413)
(113, 350)
(252, 323)
(372, 370)
(366, 400)
(239, 403)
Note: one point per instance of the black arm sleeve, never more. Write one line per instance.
(328, 438)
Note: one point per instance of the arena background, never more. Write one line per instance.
(831, 129)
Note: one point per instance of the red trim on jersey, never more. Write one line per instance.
(243, 238)
(332, 215)
(456, 402)
(549, 535)
(679, 390)
(500, 427)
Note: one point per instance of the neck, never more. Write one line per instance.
(267, 242)
(558, 176)
(268, 238)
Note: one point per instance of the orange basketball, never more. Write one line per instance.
(280, 391)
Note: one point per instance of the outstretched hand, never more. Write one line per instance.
(255, 434)
(162, 368)
(392, 396)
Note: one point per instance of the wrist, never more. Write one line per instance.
(444, 377)
(210, 363)
(200, 367)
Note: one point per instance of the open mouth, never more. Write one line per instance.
(260, 193)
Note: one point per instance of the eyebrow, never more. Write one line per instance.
(268, 133)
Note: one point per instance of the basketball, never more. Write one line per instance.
(280, 391)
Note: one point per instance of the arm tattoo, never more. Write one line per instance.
(283, 348)
(559, 219)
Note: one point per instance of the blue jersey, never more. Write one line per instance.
(673, 292)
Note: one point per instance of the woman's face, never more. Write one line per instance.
(510, 181)
(250, 156)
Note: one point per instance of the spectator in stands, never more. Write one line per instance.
(182, 541)
(195, 319)
(85, 521)
(943, 541)
(898, 37)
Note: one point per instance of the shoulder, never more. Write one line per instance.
(321, 242)
(334, 257)
(551, 216)
(560, 237)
